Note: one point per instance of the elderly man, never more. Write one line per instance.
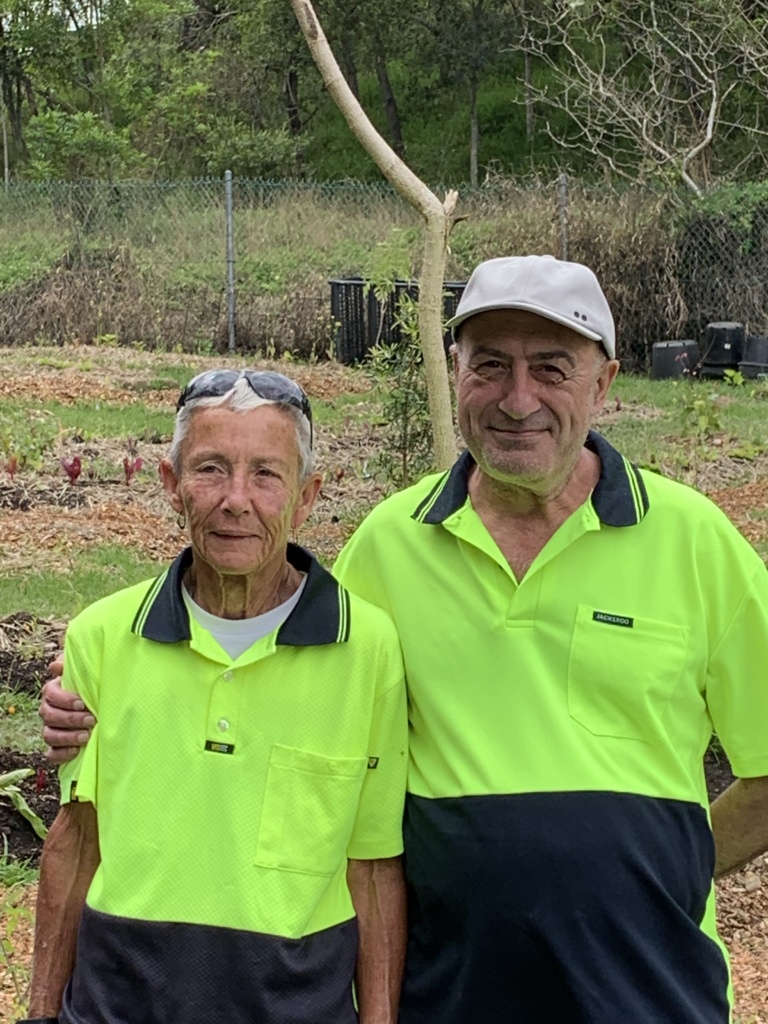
(573, 629)
(228, 846)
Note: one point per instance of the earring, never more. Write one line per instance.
(181, 520)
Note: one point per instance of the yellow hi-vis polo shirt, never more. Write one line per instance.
(229, 795)
(557, 843)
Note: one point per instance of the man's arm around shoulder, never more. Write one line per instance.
(69, 862)
(377, 888)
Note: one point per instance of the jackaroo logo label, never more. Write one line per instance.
(220, 748)
(612, 620)
(373, 762)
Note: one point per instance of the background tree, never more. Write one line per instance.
(467, 42)
(654, 88)
(601, 88)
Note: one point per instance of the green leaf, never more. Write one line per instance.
(8, 788)
(11, 778)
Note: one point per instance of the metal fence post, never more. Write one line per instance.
(6, 168)
(230, 260)
(562, 211)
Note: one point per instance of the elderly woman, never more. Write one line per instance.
(227, 849)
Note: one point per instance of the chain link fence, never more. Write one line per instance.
(146, 262)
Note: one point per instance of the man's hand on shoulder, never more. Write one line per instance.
(66, 720)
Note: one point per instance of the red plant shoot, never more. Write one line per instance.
(72, 466)
(131, 466)
(41, 780)
(12, 467)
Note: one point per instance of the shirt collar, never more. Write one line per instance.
(322, 615)
(619, 498)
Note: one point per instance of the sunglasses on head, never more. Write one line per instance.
(274, 387)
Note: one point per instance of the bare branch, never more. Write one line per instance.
(652, 78)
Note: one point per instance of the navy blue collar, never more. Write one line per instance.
(322, 615)
(619, 499)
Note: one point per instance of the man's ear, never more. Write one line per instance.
(605, 378)
(453, 352)
(171, 485)
(309, 492)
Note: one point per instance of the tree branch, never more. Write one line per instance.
(437, 216)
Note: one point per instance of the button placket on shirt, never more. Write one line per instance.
(223, 711)
(226, 693)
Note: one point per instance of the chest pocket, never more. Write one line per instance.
(310, 804)
(621, 676)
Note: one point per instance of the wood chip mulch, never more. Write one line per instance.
(59, 533)
(742, 901)
(124, 384)
(747, 508)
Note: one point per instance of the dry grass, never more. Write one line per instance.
(147, 264)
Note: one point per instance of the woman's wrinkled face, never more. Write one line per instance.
(239, 486)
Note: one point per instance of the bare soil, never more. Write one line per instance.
(46, 522)
(41, 793)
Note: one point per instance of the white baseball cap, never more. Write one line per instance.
(568, 293)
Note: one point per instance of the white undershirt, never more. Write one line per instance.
(237, 635)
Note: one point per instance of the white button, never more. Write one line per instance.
(223, 725)
(229, 674)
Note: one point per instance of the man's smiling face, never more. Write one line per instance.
(527, 391)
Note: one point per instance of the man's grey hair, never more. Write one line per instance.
(242, 398)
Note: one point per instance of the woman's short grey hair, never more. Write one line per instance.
(242, 398)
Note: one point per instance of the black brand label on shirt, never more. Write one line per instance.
(373, 762)
(612, 620)
(219, 748)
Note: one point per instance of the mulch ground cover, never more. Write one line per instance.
(45, 522)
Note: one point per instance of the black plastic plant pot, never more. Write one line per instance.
(723, 344)
(674, 359)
